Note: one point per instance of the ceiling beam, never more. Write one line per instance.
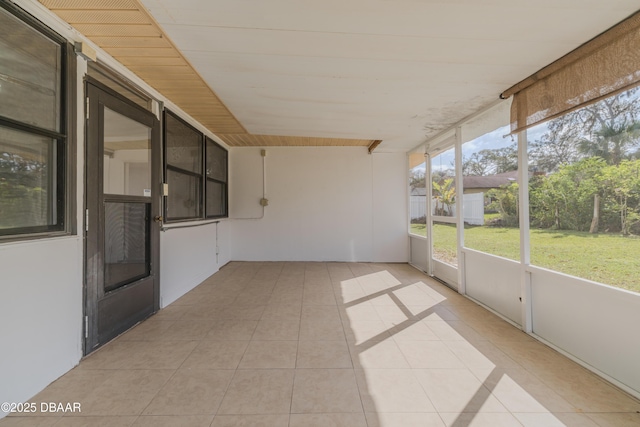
(373, 145)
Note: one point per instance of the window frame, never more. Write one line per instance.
(225, 183)
(63, 176)
(168, 167)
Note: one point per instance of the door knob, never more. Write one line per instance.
(158, 218)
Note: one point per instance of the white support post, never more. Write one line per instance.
(429, 227)
(462, 289)
(525, 254)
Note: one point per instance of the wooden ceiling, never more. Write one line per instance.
(125, 30)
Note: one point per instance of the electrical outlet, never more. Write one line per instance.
(264, 202)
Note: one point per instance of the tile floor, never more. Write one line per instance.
(329, 344)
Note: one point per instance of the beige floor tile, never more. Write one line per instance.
(414, 295)
(439, 312)
(429, 355)
(554, 420)
(328, 420)
(324, 391)
(616, 420)
(352, 297)
(360, 331)
(171, 312)
(106, 421)
(125, 392)
(323, 354)
(520, 391)
(282, 312)
(378, 355)
(187, 330)
(150, 330)
(277, 330)
(394, 314)
(241, 312)
(339, 271)
(481, 355)
(191, 392)
(231, 330)
(387, 419)
(251, 298)
(412, 331)
(261, 420)
(204, 311)
(456, 391)
(348, 284)
(359, 269)
(173, 421)
(359, 312)
(586, 391)
(499, 330)
(293, 297)
(454, 330)
(259, 392)
(392, 390)
(320, 312)
(480, 420)
(30, 421)
(275, 345)
(140, 355)
(216, 355)
(269, 354)
(380, 298)
(319, 297)
(321, 330)
(74, 386)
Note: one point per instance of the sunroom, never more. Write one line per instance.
(443, 197)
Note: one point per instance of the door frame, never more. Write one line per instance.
(446, 273)
(141, 298)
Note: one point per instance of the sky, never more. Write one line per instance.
(496, 139)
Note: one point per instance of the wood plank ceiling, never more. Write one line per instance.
(125, 30)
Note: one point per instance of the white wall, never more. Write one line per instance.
(495, 282)
(420, 253)
(187, 257)
(390, 241)
(325, 204)
(40, 314)
(595, 323)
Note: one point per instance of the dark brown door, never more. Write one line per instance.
(122, 196)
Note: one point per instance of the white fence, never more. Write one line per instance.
(473, 208)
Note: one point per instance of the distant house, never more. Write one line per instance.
(475, 188)
(419, 192)
(482, 184)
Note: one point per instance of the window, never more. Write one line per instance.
(183, 156)
(197, 180)
(417, 193)
(490, 184)
(584, 191)
(216, 185)
(34, 145)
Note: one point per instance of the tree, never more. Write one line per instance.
(621, 189)
(491, 161)
(417, 178)
(609, 129)
(445, 195)
(564, 200)
(505, 201)
(558, 146)
(612, 141)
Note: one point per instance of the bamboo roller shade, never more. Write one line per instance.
(608, 64)
(126, 31)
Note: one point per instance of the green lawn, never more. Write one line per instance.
(605, 258)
